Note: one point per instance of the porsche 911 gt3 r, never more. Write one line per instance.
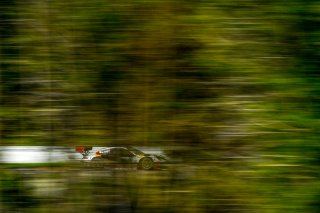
(119, 157)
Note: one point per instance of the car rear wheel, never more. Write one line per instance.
(146, 163)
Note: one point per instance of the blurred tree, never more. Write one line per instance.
(235, 83)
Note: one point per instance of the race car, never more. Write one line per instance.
(120, 157)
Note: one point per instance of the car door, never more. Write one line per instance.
(120, 155)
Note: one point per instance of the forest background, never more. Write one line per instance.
(233, 83)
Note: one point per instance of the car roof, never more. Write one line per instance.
(113, 147)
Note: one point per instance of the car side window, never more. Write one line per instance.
(112, 153)
(105, 153)
(120, 152)
(125, 153)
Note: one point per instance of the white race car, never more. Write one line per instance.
(119, 157)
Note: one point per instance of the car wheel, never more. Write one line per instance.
(146, 163)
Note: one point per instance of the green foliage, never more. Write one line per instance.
(238, 79)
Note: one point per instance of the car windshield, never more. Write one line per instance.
(136, 151)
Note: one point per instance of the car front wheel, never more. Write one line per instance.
(146, 164)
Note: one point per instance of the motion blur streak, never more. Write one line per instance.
(228, 90)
